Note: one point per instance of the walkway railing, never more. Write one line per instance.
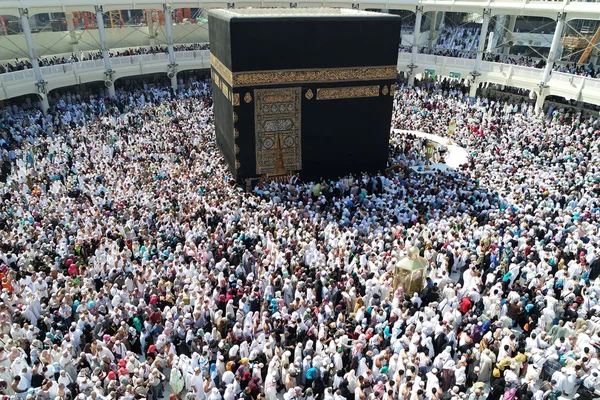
(567, 85)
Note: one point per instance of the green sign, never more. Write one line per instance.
(430, 72)
(455, 75)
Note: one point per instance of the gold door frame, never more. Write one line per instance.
(277, 116)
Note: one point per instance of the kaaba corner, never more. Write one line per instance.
(306, 91)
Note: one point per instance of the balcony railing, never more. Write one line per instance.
(93, 65)
(573, 86)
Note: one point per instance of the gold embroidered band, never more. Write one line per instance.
(297, 76)
(347, 92)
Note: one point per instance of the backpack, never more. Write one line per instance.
(479, 307)
(554, 395)
(521, 390)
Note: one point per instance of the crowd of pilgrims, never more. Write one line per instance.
(132, 266)
(446, 46)
(588, 69)
(25, 64)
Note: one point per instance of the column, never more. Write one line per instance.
(105, 55)
(509, 34)
(150, 24)
(500, 33)
(24, 14)
(41, 85)
(481, 47)
(432, 29)
(72, 34)
(415, 45)
(474, 84)
(539, 101)
(44, 104)
(169, 32)
(552, 55)
(480, 51)
(102, 34)
(174, 81)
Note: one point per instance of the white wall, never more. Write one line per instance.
(533, 39)
(422, 41)
(12, 47)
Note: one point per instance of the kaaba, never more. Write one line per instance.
(303, 91)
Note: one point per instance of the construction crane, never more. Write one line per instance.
(157, 17)
(86, 18)
(3, 25)
(590, 47)
(183, 14)
(116, 19)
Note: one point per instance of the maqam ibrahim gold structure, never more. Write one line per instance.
(410, 272)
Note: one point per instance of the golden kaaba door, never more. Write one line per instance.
(277, 129)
